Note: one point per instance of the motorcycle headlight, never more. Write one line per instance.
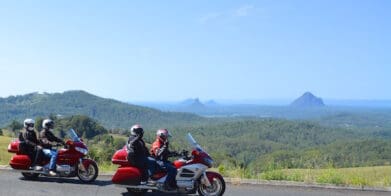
(81, 150)
(208, 162)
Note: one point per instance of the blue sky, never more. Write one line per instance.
(172, 50)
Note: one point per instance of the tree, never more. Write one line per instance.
(15, 125)
(38, 123)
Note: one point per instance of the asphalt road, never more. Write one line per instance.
(12, 183)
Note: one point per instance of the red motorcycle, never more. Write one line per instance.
(192, 174)
(70, 161)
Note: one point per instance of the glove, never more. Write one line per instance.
(174, 154)
(160, 163)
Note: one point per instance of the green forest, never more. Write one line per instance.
(250, 145)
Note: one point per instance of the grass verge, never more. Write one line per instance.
(379, 176)
(5, 156)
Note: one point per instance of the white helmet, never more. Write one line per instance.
(28, 124)
(163, 134)
(136, 130)
(47, 124)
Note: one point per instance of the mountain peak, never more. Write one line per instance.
(211, 103)
(308, 100)
(192, 103)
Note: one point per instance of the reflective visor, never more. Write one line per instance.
(30, 124)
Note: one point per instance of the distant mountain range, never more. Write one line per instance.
(116, 114)
(110, 112)
(195, 103)
(306, 106)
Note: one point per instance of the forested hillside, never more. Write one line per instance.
(111, 113)
(259, 145)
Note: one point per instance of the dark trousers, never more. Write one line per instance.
(34, 156)
(144, 164)
(171, 173)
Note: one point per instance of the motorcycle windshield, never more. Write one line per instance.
(72, 134)
(193, 142)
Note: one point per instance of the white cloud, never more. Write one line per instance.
(244, 10)
(208, 17)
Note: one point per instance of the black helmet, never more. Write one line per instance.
(136, 130)
(48, 124)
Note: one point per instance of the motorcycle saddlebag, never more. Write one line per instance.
(127, 176)
(20, 162)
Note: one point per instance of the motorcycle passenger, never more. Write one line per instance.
(29, 143)
(161, 153)
(138, 152)
(46, 138)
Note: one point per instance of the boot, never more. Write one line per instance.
(52, 173)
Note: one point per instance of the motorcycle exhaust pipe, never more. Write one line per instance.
(137, 186)
(28, 171)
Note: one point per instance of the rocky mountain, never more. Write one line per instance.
(192, 103)
(211, 103)
(308, 100)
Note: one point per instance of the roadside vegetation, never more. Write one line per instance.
(5, 156)
(379, 176)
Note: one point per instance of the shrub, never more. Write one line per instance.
(295, 176)
(274, 175)
(221, 169)
(387, 181)
(359, 181)
(330, 176)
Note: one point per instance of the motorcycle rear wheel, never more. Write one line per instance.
(30, 176)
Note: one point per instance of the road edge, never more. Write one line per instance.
(238, 181)
(254, 182)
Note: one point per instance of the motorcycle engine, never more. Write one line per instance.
(64, 168)
(185, 184)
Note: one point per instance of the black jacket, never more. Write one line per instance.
(28, 141)
(137, 151)
(46, 138)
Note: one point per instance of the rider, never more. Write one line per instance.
(30, 144)
(161, 153)
(137, 152)
(46, 138)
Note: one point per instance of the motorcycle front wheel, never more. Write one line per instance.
(217, 188)
(90, 173)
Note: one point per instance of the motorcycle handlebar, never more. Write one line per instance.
(183, 153)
